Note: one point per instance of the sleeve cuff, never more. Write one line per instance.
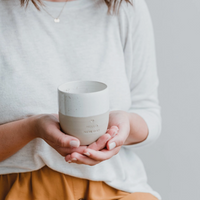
(153, 122)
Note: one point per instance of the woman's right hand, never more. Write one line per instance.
(15, 135)
(47, 127)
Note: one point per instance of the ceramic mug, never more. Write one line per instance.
(84, 109)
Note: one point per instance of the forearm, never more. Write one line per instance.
(14, 136)
(138, 129)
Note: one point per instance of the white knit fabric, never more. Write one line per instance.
(37, 55)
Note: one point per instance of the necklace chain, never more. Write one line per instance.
(56, 19)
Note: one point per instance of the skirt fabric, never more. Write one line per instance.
(47, 184)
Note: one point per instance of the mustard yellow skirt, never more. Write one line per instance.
(46, 184)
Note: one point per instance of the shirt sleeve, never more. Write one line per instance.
(140, 61)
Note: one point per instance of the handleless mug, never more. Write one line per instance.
(84, 109)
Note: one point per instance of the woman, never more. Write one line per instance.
(66, 41)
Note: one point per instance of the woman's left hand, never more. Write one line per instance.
(107, 145)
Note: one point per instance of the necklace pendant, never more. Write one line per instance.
(56, 20)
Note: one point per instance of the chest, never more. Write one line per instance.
(43, 54)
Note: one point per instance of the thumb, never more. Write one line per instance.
(118, 139)
(63, 140)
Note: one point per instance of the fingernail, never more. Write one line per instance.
(115, 127)
(74, 143)
(69, 161)
(112, 145)
(87, 153)
(74, 159)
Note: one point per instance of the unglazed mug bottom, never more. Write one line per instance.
(86, 129)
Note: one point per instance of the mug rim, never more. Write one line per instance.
(82, 93)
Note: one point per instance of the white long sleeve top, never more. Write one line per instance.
(37, 55)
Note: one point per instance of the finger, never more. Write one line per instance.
(68, 158)
(80, 159)
(67, 151)
(61, 139)
(113, 131)
(119, 138)
(113, 128)
(100, 143)
(101, 155)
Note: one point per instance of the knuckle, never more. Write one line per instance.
(60, 142)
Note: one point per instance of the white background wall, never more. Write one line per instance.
(173, 162)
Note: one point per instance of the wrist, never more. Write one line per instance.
(31, 126)
(138, 129)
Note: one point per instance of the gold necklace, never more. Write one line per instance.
(56, 19)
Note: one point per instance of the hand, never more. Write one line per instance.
(47, 127)
(107, 145)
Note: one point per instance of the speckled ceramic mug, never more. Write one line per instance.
(84, 109)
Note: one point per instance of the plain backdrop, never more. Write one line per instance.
(173, 162)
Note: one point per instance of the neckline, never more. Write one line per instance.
(70, 5)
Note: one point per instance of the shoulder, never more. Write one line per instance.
(137, 8)
(138, 16)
